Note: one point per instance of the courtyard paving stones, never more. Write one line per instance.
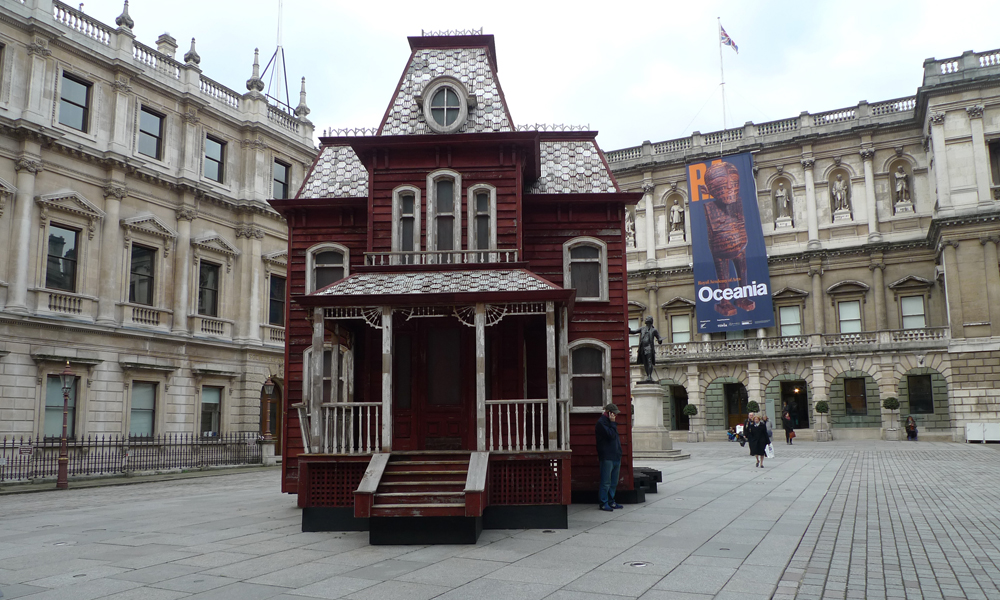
(845, 520)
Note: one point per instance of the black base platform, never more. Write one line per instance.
(339, 518)
(636, 496)
(424, 530)
(535, 516)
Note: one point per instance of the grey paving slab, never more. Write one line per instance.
(604, 582)
(399, 590)
(333, 587)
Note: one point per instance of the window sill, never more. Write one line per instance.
(594, 410)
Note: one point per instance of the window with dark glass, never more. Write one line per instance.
(921, 393)
(215, 153)
(143, 409)
(588, 376)
(280, 173)
(328, 267)
(445, 211)
(54, 407)
(74, 103)
(855, 398)
(60, 267)
(407, 219)
(211, 410)
(482, 220)
(276, 306)
(585, 271)
(445, 106)
(208, 289)
(150, 133)
(141, 269)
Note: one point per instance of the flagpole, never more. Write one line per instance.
(722, 85)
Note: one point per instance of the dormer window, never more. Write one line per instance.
(445, 103)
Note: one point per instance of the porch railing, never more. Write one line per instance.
(352, 427)
(522, 425)
(441, 257)
(27, 458)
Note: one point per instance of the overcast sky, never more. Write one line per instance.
(632, 70)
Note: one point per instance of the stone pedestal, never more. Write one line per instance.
(676, 237)
(893, 434)
(904, 208)
(267, 453)
(823, 433)
(783, 223)
(841, 215)
(648, 432)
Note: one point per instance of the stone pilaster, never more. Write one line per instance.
(867, 155)
(121, 135)
(979, 156)
(697, 427)
(820, 393)
(816, 277)
(27, 166)
(248, 324)
(953, 289)
(812, 216)
(940, 161)
(877, 267)
(109, 294)
(647, 202)
(654, 310)
(992, 280)
(182, 264)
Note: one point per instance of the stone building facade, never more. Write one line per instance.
(881, 223)
(136, 241)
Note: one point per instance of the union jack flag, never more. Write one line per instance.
(725, 40)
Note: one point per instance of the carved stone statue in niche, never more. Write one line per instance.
(783, 200)
(902, 185)
(676, 222)
(841, 193)
(629, 229)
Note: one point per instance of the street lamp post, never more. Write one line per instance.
(268, 390)
(62, 478)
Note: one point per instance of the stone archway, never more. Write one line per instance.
(923, 393)
(674, 400)
(725, 403)
(855, 401)
(794, 390)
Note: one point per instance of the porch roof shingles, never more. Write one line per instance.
(338, 173)
(443, 282)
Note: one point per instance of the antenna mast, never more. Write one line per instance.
(279, 76)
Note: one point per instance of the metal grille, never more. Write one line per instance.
(333, 484)
(524, 482)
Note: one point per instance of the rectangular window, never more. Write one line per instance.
(407, 218)
(588, 376)
(54, 408)
(215, 153)
(912, 309)
(790, 320)
(482, 221)
(445, 214)
(60, 267)
(921, 394)
(150, 133)
(280, 173)
(585, 271)
(850, 316)
(211, 410)
(995, 161)
(738, 334)
(328, 268)
(634, 323)
(680, 329)
(276, 307)
(74, 103)
(143, 409)
(208, 289)
(140, 283)
(855, 400)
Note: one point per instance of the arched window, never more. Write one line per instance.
(585, 268)
(405, 222)
(444, 212)
(325, 264)
(590, 373)
(482, 219)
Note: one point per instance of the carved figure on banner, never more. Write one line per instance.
(783, 200)
(648, 335)
(902, 185)
(841, 194)
(676, 217)
(727, 233)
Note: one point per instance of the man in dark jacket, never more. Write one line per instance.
(609, 456)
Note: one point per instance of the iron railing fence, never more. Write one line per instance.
(30, 458)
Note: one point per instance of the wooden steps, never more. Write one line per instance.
(426, 484)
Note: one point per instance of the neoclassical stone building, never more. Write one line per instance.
(136, 241)
(882, 222)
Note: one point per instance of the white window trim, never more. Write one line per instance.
(923, 304)
(606, 350)
(670, 326)
(800, 306)
(220, 293)
(471, 202)
(861, 312)
(567, 273)
(311, 262)
(432, 180)
(397, 210)
(90, 134)
(159, 420)
(464, 103)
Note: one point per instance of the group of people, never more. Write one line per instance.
(759, 433)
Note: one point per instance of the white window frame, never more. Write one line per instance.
(606, 375)
(673, 332)
(345, 373)
(157, 404)
(223, 406)
(602, 258)
(311, 262)
(861, 315)
(432, 214)
(782, 324)
(78, 278)
(472, 236)
(223, 166)
(78, 409)
(397, 217)
(267, 300)
(923, 306)
(464, 100)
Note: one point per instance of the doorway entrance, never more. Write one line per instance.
(794, 395)
(681, 422)
(736, 403)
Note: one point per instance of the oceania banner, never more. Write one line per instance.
(732, 283)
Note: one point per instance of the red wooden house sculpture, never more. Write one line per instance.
(457, 313)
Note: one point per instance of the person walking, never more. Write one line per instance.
(769, 427)
(609, 457)
(787, 424)
(758, 440)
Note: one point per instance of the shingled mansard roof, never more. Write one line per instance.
(437, 282)
(567, 166)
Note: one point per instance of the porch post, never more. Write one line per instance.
(564, 353)
(480, 377)
(550, 359)
(386, 378)
(316, 396)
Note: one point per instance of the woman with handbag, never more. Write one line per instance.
(787, 424)
(757, 437)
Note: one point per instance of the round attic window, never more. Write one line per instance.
(446, 105)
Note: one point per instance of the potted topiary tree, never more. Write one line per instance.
(822, 434)
(752, 406)
(690, 410)
(891, 404)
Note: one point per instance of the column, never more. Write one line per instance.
(386, 379)
(121, 134)
(550, 360)
(940, 161)
(248, 324)
(110, 291)
(877, 267)
(647, 200)
(27, 166)
(979, 156)
(37, 105)
(820, 393)
(992, 280)
(564, 354)
(816, 274)
(654, 306)
(696, 431)
(811, 214)
(873, 234)
(953, 289)
(316, 383)
(182, 264)
(480, 377)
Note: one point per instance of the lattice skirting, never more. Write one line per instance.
(329, 483)
(526, 481)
